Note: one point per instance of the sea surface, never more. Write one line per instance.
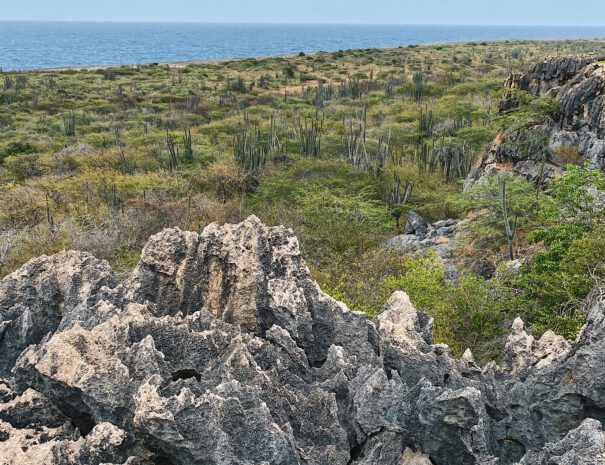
(32, 45)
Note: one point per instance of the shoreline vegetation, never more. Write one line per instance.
(339, 146)
(208, 61)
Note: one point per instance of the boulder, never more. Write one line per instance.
(46, 293)
(415, 224)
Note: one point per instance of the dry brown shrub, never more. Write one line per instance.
(568, 154)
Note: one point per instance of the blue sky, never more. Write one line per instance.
(522, 12)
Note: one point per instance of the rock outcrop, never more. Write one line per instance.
(442, 237)
(577, 130)
(219, 348)
(419, 234)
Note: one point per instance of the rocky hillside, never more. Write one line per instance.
(220, 349)
(574, 131)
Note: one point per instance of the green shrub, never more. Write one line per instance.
(17, 148)
(23, 166)
(486, 232)
(469, 313)
(531, 111)
(570, 264)
(560, 277)
(432, 197)
(335, 209)
(575, 195)
(223, 178)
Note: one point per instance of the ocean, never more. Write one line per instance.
(33, 45)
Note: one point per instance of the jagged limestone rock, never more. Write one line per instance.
(44, 294)
(578, 84)
(584, 445)
(247, 275)
(219, 348)
(547, 75)
(33, 431)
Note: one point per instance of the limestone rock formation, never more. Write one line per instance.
(442, 237)
(43, 295)
(219, 348)
(584, 445)
(578, 129)
(420, 234)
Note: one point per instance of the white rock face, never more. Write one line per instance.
(524, 352)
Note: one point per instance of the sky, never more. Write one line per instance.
(501, 12)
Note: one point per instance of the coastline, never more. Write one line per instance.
(171, 64)
(207, 61)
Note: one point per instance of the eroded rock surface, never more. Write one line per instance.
(576, 132)
(219, 348)
(44, 294)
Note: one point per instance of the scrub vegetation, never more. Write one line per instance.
(338, 146)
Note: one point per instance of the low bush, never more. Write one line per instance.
(469, 313)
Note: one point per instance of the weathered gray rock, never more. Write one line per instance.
(443, 237)
(31, 410)
(219, 348)
(103, 445)
(547, 75)
(584, 445)
(406, 339)
(45, 293)
(415, 224)
(247, 275)
(419, 234)
(578, 84)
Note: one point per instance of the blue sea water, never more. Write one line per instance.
(32, 45)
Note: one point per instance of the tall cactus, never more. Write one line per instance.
(355, 138)
(250, 150)
(120, 146)
(9, 83)
(188, 144)
(398, 197)
(309, 132)
(173, 151)
(510, 230)
(418, 90)
(426, 123)
(69, 125)
(49, 215)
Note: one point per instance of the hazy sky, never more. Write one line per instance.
(522, 12)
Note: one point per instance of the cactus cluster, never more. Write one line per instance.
(308, 133)
(173, 152)
(69, 124)
(8, 83)
(188, 144)
(250, 148)
(399, 197)
(418, 89)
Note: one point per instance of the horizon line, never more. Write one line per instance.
(289, 23)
